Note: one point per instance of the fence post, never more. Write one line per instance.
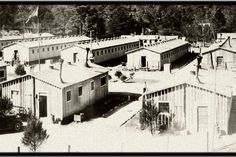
(18, 149)
(68, 148)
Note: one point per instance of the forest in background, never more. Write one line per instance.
(110, 20)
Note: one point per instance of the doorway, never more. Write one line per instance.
(164, 117)
(75, 57)
(15, 97)
(143, 61)
(220, 62)
(15, 54)
(202, 118)
(42, 106)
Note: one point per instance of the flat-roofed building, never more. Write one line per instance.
(155, 56)
(101, 51)
(151, 39)
(30, 52)
(59, 91)
(192, 105)
(221, 55)
(11, 39)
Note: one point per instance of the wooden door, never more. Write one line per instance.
(75, 57)
(202, 118)
(143, 61)
(42, 106)
(15, 96)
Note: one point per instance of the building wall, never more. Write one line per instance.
(197, 97)
(184, 101)
(19, 90)
(174, 54)
(46, 52)
(108, 53)
(152, 59)
(54, 98)
(175, 97)
(68, 54)
(155, 60)
(229, 58)
(88, 97)
(23, 53)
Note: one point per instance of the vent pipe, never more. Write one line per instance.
(86, 62)
(229, 41)
(61, 62)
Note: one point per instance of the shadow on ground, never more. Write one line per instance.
(186, 59)
(105, 107)
(114, 62)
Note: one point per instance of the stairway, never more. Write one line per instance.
(232, 117)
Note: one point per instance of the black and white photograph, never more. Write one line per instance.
(117, 77)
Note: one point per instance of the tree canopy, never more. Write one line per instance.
(114, 20)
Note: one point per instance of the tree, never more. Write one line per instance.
(123, 78)
(5, 105)
(20, 70)
(219, 20)
(118, 74)
(149, 116)
(34, 134)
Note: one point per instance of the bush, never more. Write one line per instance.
(20, 70)
(5, 105)
(123, 64)
(123, 78)
(34, 134)
(118, 74)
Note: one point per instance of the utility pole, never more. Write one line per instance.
(212, 115)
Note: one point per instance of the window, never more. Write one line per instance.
(43, 49)
(80, 90)
(52, 48)
(33, 51)
(97, 53)
(2, 74)
(103, 81)
(14, 93)
(101, 52)
(92, 85)
(68, 96)
(57, 47)
(48, 48)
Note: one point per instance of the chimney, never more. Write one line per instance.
(229, 41)
(61, 62)
(86, 63)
